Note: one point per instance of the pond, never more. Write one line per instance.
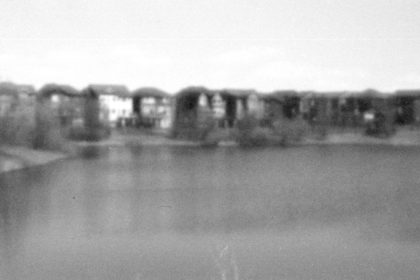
(313, 212)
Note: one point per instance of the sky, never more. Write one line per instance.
(266, 45)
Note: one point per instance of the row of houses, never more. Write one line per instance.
(382, 111)
(111, 104)
(187, 110)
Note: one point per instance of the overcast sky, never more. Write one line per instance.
(171, 44)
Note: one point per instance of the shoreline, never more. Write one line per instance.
(403, 137)
(18, 157)
(354, 139)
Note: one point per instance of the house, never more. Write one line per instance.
(198, 107)
(281, 104)
(26, 92)
(350, 106)
(64, 101)
(8, 98)
(152, 108)
(322, 108)
(114, 102)
(383, 109)
(407, 104)
(193, 112)
(231, 105)
(363, 108)
(255, 105)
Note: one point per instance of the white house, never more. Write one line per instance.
(255, 105)
(153, 107)
(115, 102)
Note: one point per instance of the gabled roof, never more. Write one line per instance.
(280, 95)
(26, 89)
(408, 92)
(372, 93)
(8, 88)
(116, 90)
(50, 89)
(237, 92)
(323, 94)
(149, 92)
(367, 93)
(194, 90)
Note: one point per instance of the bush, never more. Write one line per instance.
(257, 137)
(47, 133)
(281, 132)
(81, 133)
(205, 125)
(17, 127)
(290, 131)
(31, 127)
(195, 127)
(215, 136)
(248, 133)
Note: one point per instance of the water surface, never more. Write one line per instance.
(316, 212)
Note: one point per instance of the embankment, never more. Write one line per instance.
(403, 137)
(17, 157)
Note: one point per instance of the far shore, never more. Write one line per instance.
(18, 157)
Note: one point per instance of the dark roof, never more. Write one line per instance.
(368, 93)
(149, 92)
(194, 90)
(117, 90)
(8, 88)
(408, 92)
(326, 94)
(280, 95)
(372, 93)
(50, 89)
(237, 92)
(26, 89)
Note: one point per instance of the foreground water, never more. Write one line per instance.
(331, 212)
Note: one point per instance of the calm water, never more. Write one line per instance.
(348, 212)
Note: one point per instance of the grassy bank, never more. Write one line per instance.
(403, 137)
(18, 157)
(285, 136)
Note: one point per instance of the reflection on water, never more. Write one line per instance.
(180, 213)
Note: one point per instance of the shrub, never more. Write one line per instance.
(47, 134)
(290, 131)
(194, 126)
(257, 137)
(281, 132)
(82, 133)
(215, 136)
(17, 127)
(33, 127)
(248, 133)
(205, 125)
